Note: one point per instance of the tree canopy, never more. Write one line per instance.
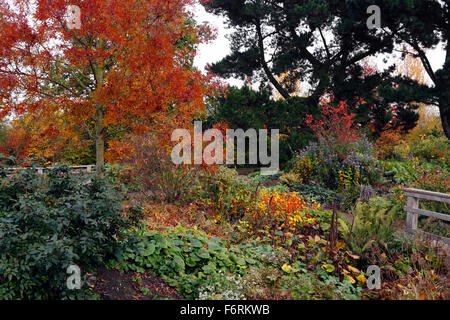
(325, 42)
(128, 66)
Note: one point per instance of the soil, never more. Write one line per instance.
(113, 285)
(246, 171)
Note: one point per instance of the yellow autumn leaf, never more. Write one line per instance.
(286, 268)
(349, 278)
(340, 245)
(361, 278)
(328, 267)
(354, 256)
(353, 269)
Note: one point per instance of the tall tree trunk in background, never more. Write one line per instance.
(99, 139)
(445, 116)
(99, 125)
(444, 91)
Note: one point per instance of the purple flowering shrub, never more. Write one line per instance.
(336, 165)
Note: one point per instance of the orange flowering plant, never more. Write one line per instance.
(279, 210)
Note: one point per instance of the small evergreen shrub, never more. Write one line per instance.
(315, 192)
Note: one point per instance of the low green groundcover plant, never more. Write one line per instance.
(48, 223)
(186, 258)
(211, 268)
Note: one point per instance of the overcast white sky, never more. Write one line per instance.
(219, 48)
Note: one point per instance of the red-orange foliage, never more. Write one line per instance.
(47, 136)
(16, 144)
(335, 124)
(129, 65)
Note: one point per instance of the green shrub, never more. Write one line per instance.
(315, 192)
(434, 147)
(349, 196)
(436, 180)
(48, 223)
(331, 160)
(119, 176)
(257, 177)
(399, 172)
(280, 188)
(312, 287)
(224, 193)
(424, 176)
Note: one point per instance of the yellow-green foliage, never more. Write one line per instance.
(225, 194)
(348, 177)
(432, 147)
(426, 141)
(291, 179)
(304, 169)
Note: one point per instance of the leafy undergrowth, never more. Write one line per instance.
(274, 244)
(268, 255)
(426, 285)
(411, 269)
(161, 216)
(203, 267)
(51, 222)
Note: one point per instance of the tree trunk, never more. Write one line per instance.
(264, 65)
(444, 109)
(99, 126)
(444, 82)
(99, 139)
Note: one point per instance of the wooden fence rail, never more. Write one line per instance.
(41, 170)
(413, 211)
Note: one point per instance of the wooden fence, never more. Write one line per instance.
(41, 170)
(413, 211)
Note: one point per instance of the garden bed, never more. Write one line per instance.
(112, 284)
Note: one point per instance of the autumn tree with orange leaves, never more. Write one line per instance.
(128, 67)
(48, 137)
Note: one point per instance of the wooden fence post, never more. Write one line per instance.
(412, 218)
